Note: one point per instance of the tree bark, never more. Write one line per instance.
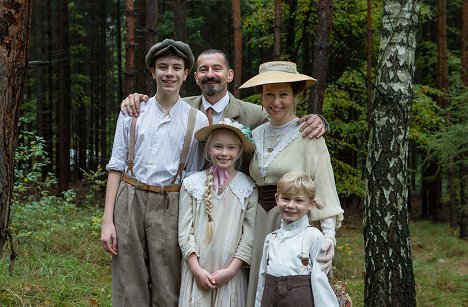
(15, 20)
(291, 30)
(103, 158)
(119, 52)
(369, 62)
(320, 63)
(151, 22)
(389, 278)
(277, 32)
(130, 49)
(463, 220)
(237, 30)
(64, 98)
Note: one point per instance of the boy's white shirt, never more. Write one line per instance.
(284, 259)
(156, 157)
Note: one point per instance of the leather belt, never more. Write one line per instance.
(147, 187)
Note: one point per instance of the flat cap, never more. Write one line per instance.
(179, 48)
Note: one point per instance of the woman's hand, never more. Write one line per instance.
(327, 254)
(221, 277)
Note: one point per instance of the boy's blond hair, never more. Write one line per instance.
(296, 182)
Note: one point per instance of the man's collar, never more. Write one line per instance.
(219, 106)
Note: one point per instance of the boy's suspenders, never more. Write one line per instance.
(305, 246)
(130, 178)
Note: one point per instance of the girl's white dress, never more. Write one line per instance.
(233, 217)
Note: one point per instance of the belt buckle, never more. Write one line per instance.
(139, 185)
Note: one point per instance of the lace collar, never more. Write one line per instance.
(241, 186)
(288, 132)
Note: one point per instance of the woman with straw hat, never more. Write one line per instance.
(279, 149)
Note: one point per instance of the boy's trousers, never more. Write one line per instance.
(146, 271)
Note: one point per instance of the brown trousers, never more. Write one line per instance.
(287, 291)
(147, 270)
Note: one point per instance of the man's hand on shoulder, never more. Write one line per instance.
(131, 104)
(314, 126)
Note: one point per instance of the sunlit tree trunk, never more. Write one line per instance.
(277, 31)
(15, 20)
(389, 278)
(237, 29)
(130, 49)
(320, 63)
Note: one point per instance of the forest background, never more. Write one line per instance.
(86, 56)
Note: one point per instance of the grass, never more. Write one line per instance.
(440, 262)
(61, 262)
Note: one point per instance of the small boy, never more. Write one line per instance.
(150, 155)
(289, 274)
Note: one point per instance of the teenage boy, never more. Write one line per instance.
(150, 155)
(289, 273)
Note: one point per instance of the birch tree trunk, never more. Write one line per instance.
(15, 19)
(389, 278)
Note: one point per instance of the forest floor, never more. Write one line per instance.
(60, 261)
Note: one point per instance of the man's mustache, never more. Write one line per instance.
(212, 79)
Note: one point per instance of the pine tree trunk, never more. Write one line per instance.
(237, 29)
(291, 30)
(277, 31)
(463, 220)
(130, 49)
(151, 23)
(103, 84)
(15, 20)
(320, 64)
(389, 278)
(140, 47)
(64, 99)
(369, 62)
(119, 52)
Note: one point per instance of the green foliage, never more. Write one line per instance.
(30, 159)
(96, 180)
(424, 113)
(345, 110)
(449, 144)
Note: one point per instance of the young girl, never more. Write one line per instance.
(216, 217)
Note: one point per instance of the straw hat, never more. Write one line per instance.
(241, 131)
(278, 72)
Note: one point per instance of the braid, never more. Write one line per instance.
(208, 204)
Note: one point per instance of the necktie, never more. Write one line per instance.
(209, 114)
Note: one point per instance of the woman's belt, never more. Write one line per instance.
(147, 187)
(266, 196)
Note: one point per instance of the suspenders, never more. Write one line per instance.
(129, 176)
(305, 246)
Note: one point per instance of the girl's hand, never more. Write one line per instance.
(222, 276)
(204, 279)
(109, 238)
